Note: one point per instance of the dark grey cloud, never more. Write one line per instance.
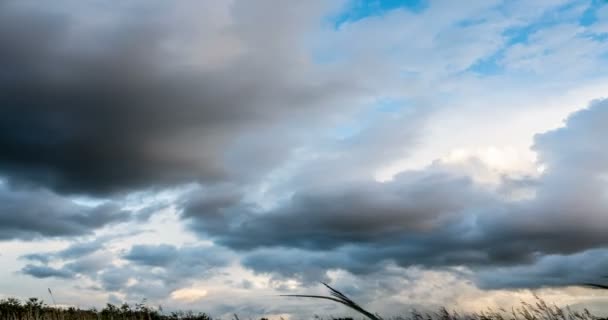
(110, 105)
(89, 265)
(553, 270)
(38, 257)
(308, 266)
(434, 217)
(86, 264)
(332, 217)
(77, 249)
(73, 251)
(80, 249)
(114, 279)
(46, 272)
(79, 259)
(29, 214)
(154, 256)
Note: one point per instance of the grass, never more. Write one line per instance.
(339, 297)
(539, 310)
(35, 309)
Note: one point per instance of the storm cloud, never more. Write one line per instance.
(99, 108)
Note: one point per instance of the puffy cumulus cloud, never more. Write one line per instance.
(28, 214)
(155, 271)
(87, 266)
(574, 150)
(188, 294)
(434, 218)
(125, 102)
(83, 258)
(143, 271)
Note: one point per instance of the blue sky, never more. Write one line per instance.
(215, 155)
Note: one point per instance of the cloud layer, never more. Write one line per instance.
(432, 218)
(234, 150)
(27, 214)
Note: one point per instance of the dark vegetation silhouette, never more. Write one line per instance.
(597, 285)
(36, 309)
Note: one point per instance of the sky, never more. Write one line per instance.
(213, 155)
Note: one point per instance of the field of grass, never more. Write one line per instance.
(35, 309)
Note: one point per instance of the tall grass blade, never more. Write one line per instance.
(338, 297)
(595, 285)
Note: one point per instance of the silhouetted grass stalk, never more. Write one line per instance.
(338, 297)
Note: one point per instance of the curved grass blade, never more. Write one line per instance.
(338, 297)
(596, 286)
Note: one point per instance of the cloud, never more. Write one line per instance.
(552, 270)
(28, 214)
(39, 257)
(329, 218)
(188, 294)
(155, 271)
(154, 256)
(144, 271)
(46, 272)
(114, 279)
(185, 261)
(80, 259)
(80, 249)
(128, 102)
(77, 249)
(435, 217)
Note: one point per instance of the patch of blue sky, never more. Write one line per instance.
(471, 22)
(603, 37)
(390, 105)
(598, 37)
(560, 15)
(326, 57)
(348, 130)
(360, 9)
(589, 16)
(491, 65)
(488, 66)
(408, 74)
(356, 10)
(367, 117)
